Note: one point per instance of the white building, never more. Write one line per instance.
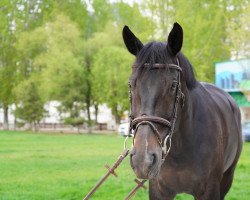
(53, 116)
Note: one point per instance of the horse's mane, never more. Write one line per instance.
(156, 52)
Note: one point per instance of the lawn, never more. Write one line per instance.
(48, 166)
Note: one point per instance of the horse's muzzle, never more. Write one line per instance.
(145, 165)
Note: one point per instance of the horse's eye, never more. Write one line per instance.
(173, 86)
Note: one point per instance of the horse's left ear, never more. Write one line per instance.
(175, 39)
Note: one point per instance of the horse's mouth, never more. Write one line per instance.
(152, 174)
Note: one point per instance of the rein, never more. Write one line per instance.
(166, 142)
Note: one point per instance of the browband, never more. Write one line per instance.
(159, 66)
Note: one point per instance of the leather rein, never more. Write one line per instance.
(166, 142)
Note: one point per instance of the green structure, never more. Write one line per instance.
(234, 77)
(240, 98)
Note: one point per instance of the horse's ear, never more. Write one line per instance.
(175, 39)
(132, 43)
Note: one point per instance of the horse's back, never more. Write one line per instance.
(230, 122)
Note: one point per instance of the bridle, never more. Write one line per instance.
(166, 142)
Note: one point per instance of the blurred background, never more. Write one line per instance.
(64, 68)
(63, 64)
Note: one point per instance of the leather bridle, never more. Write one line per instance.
(165, 143)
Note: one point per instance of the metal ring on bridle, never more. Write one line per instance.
(166, 149)
(125, 141)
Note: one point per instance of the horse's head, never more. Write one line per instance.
(155, 84)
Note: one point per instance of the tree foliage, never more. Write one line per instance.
(110, 73)
(30, 105)
(52, 53)
(204, 22)
(238, 32)
(73, 52)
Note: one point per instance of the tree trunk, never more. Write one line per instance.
(88, 97)
(88, 107)
(6, 118)
(96, 113)
(116, 114)
(36, 126)
(15, 123)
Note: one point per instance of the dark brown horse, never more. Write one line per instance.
(187, 133)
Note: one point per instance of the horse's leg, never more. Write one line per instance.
(156, 194)
(212, 191)
(226, 182)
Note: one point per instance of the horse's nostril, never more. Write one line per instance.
(154, 158)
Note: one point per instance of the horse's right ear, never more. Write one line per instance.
(132, 43)
(175, 39)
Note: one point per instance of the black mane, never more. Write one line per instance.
(156, 52)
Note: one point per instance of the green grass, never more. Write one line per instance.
(45, 166)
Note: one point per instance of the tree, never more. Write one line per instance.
(30, 105)
(204, 22)
(111, 72)
(135, 19)
(91, 47)
(110, 27)
(161, 13)
(205, 42)
(63, 75)
(51, 53)
(16, 16)
(7, 81)
(61, 44)
(7, 57)
(238, 31)
(29, 98)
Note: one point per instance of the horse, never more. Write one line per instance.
(187, 134)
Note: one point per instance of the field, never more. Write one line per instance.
(56, 166)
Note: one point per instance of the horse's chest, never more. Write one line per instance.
(180, 180)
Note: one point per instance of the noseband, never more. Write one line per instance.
(165, 143)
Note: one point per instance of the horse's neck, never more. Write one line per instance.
(183, 130)
(186, 112)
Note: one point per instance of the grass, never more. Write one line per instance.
(46, 166)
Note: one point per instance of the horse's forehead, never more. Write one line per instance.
(154, 76)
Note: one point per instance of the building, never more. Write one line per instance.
(234, 77)
(52, 120)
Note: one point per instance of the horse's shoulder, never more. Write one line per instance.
(207, 94)
(212, 89)
(211, 102)
(219, 95)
